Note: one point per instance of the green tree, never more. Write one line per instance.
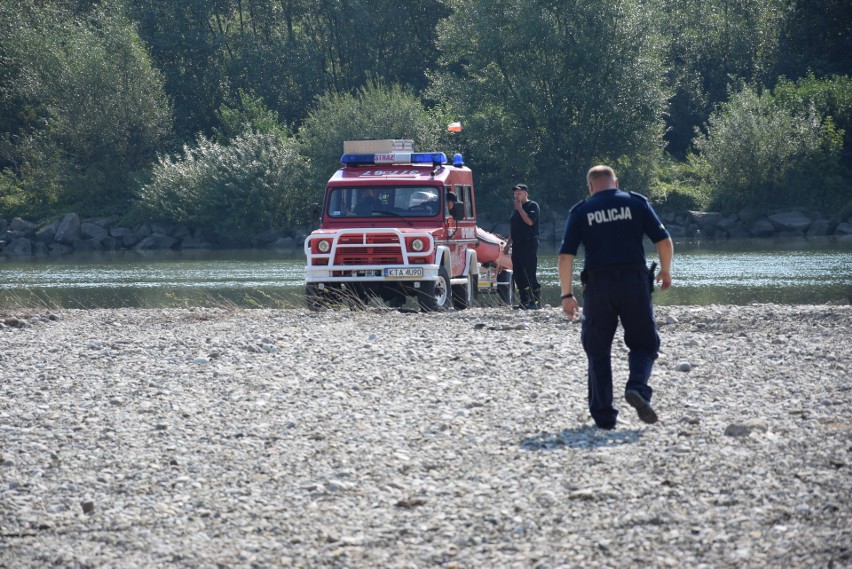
(98, 113)
(375, 111)
(186, 47)
(545, 89)
(286, 52)
(716, 46)
(816, 37)
(248, 115)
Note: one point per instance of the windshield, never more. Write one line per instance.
(376, 201)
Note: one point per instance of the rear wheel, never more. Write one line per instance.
(505, 287)
(435, 295)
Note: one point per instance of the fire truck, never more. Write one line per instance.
(387, 231)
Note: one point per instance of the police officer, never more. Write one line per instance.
(611, 225)
(523, 241)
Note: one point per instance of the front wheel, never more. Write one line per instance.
(465, 295)
(434, 296)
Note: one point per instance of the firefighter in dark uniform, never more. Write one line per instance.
(611, 225)
(523, 241)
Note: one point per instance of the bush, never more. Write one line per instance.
(759, 153)
(253, 185)
(676, 187)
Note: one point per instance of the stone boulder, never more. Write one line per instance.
(68, 230)
(21, 247)
(791, 221)
(762, 228)
(25, 227)
(90, 230)
(844, 228)
(820, 228)
(707, 221)
(125, 235)
(87, 245)
(676, 231)
(105, 222)
(47, 233)
(143, 231)
(12, 234)
(156, 241)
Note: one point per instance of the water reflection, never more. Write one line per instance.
(787, 272)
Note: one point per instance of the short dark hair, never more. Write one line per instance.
(521, 187)
(451, 196)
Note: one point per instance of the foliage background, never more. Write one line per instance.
(202, 112)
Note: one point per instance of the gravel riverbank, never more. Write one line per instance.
(264, 438)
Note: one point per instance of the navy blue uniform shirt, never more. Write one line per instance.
(518, 228)
(611, 225)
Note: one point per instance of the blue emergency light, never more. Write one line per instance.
(434, 158)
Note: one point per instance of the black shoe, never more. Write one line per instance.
(642, 406)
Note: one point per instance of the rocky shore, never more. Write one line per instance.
(284, 438)
(70, 234)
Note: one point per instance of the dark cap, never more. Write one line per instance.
(451, 196)
(521, 187)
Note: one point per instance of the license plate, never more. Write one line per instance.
(404, 272)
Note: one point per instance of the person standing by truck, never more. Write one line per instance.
(523, 242)
(611, 225)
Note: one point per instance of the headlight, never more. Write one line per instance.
(323, 246)
(417, 245)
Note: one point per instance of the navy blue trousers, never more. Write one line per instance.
(524, 266)
(611, 295)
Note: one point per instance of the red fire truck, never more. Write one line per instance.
(386, 232)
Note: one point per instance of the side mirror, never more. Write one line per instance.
(458, 211)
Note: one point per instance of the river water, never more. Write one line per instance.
(785, 272)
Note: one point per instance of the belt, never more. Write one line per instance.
(613, 268)
(587, 275)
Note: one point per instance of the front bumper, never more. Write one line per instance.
(387, 245)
